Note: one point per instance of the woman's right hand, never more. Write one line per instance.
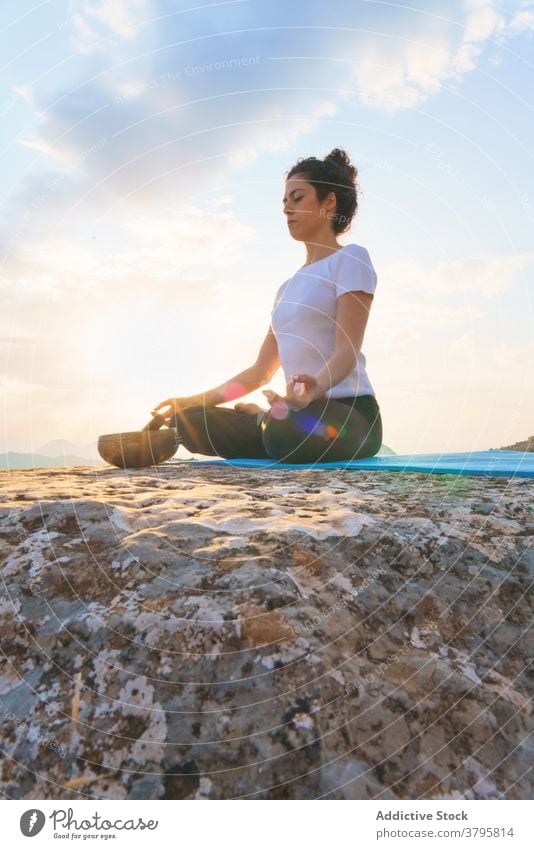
(174, 405)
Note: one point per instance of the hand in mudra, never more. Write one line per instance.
(301, 390)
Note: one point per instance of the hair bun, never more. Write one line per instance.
(341, 159)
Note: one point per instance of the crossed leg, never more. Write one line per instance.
(220, 432)
(325, 430)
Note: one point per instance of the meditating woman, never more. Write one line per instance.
(318, 320)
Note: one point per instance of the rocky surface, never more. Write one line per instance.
(217, 632)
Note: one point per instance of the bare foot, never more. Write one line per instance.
(249, 408)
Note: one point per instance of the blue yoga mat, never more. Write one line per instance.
(500, 463)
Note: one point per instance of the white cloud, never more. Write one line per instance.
(285, 134)
(85, 39)
(47, 148)
(482, 24)
(223, 200)
(25, 92)
(137, 127)
(487, 276)
(93, 22)
(499, 364)
(179, 240)
(402, 77)
(445, 380)
(523, 20)
(184, 238)
(394, 74)
(121, 17)
(430, 354)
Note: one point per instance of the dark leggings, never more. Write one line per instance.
(326, 430)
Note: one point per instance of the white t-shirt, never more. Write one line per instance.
(303, 318)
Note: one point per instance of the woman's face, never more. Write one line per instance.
(307, 218)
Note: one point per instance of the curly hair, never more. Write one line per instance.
(334, 173)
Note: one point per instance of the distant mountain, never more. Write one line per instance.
(53, 454)
(526, 445)
(12, 460)
(62, 448)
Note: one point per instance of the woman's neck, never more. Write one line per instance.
(315, 251)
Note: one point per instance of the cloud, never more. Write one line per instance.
(430, 318)
(427, 53)
(482, 23)
(93, 22)
(501, 365)
(159, 140)
(180, 240)
(403, 72)
(25, 92)
(166, 64)
(487, 276)
(523, 20)
(165, 105)
(171, 98)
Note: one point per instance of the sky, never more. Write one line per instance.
(142, 240)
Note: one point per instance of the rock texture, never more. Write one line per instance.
(217, 632)
(525, 445)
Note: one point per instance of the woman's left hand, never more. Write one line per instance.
(309, 390)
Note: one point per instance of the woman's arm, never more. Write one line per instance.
(246, 381)
(352, 312)
(237, 386)
(240, 384)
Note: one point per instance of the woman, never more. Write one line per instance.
(329, 411)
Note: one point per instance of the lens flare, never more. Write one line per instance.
(331, 432)
(234, 390)
(307, 423)
(279, 410)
